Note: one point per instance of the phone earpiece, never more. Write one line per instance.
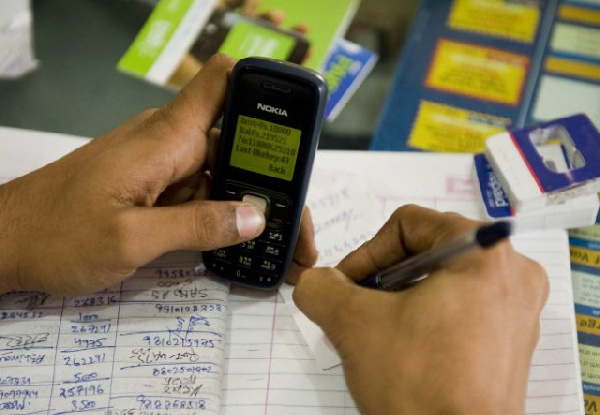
(282, 89)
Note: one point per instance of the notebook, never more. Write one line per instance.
(172, 341)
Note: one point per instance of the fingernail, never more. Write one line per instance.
(250, 221)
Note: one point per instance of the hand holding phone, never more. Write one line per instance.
(273, 116)
(238, 36)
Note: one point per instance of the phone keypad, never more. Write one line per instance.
(259, 262)
(256, 262)
(250, 268)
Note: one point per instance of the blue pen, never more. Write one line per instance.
(418, 267)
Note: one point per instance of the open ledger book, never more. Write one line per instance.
(170, 341)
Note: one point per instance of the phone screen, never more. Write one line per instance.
(265, 148)
(246, 38)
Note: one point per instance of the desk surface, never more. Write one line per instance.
(77, 89)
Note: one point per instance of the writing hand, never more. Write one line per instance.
(459, 342)
(93, 217)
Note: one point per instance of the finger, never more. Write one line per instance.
(203, 192)
(274, 16)
(308, 55)
(187, 69)
(410, 230)
(305, 255)
(175, 138)
(249, 7)
(214, 140)
(301, 28)
(182, 191)
(197, 225)
(198, 106)
(335, 303)
(322, 294)
(295, 272)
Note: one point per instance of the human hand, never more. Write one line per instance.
(459, 342)
(274, 16)
(192, 62)
(90, 219)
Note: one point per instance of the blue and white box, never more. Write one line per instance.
(575, 212)
(548, 164)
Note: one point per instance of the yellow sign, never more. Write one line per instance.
(584, 256)
(440, 127)
(478, 72)
(572, 67)
(592, 404)
(588, 324)
(499, 18)
(579, 14)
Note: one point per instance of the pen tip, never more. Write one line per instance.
(488, 235)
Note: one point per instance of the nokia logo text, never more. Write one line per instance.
(271, 109)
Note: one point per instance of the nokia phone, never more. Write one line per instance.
(270, 132)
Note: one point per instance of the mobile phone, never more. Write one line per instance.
(270, 132)
(240, 36)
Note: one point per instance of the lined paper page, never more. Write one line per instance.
(270, 368)
(153, 344)
(555, 377)
(351, 187)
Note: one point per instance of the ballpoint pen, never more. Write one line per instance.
(417, 267)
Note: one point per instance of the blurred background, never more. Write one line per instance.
(77, 90)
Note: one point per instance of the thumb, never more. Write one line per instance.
(197, 225)
(329, 299)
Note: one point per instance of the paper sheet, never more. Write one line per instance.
(554, 384)
(268, 367)
(152, 343)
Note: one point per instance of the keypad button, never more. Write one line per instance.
(225, 254)
(243, 275)
(245, 261)
(249, 246)
(271, 250)
(260, 203)
(273, 236)
(221, 268)
(266, 280)
(278, 212)
(220, 253)
(268, 265)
